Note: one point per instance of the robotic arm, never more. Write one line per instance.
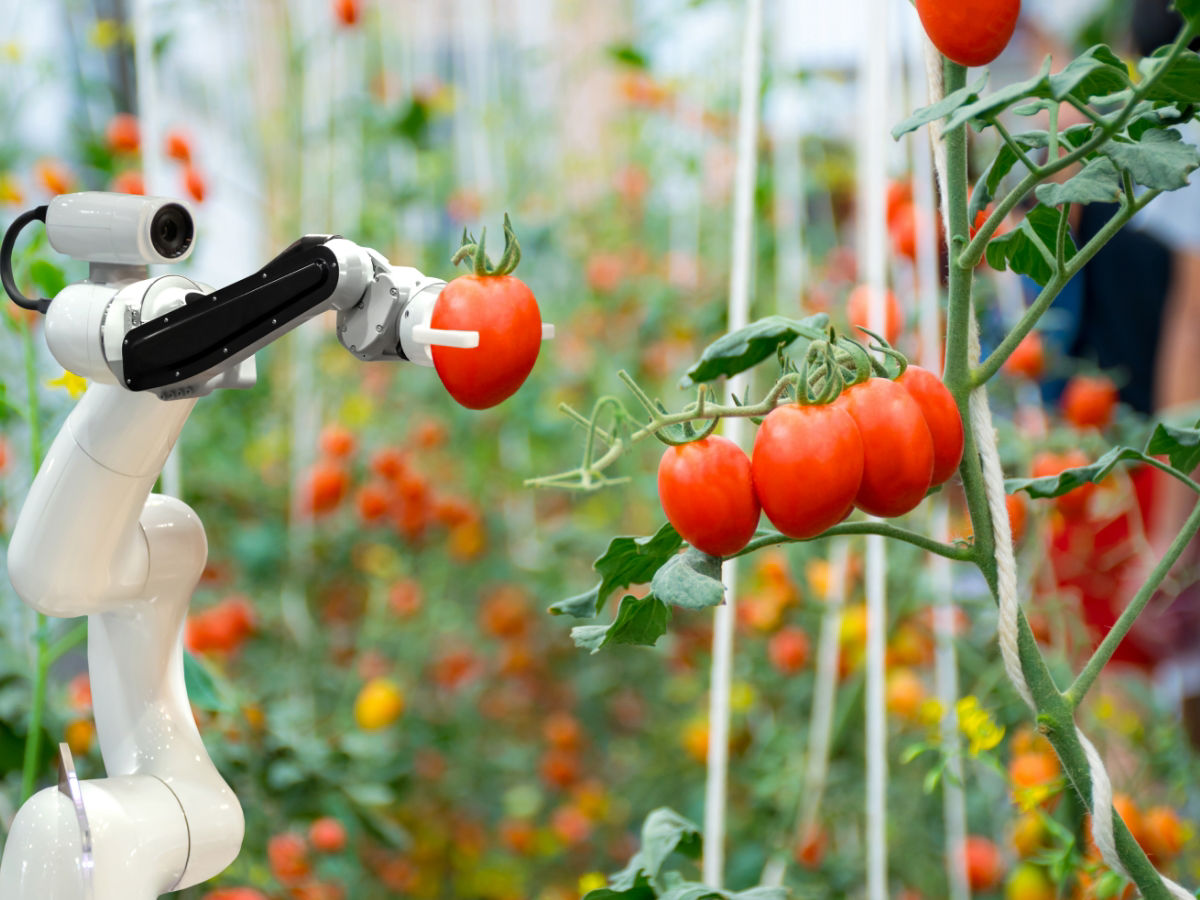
(91, 538)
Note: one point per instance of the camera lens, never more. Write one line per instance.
(171, 231)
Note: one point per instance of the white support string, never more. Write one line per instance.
(741, 273)
(873, 88)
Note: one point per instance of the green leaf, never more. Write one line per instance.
(640, 621)
(638, 892)
(761, 893)
(691, 890)
(1190, 10)
(1180, 445)
(1179, 83)
(1097, 72)
(740, 350)
(200, 685)
(628, 560)
(628, 55)
(1069, 479)
(941, 109)
(1160, 160)
(48, 277)
(665, 832)
(1098, 182)
(691, 579)
(1037, 86)
(1018, 249)
(1006, 158)
(1147, 116)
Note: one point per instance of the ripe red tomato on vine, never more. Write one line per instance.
(858, 311)
(969, 32)
(808, 467)
(941, 415)
(1074, 503)
(898, 452)
(504, 311)
(707, 491)
(1028, 359)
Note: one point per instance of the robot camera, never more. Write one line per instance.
(120, 229)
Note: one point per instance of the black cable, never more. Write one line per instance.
(6, 251)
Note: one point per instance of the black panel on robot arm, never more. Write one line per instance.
(214, 328)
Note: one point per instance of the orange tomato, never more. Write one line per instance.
(379, 703)
(1028, 358)
(389, 463)
(337, 441)
(195, 184)
(858, 312)
(1028, 882)
(810, 849)
(1018, 513)
(178, 145)
(563, 731)
(560, 768)
(1072, 504)
(373, 501)
(1163, 832)
(287, 855)
(129, 182)
(123, 134)
(788, 650)
(324, 488)
(327, 835)
(904, 693)
(505, 612)
(1089, 401)
(55, 177)
(405, 598)
(985, 866)
(346, 12)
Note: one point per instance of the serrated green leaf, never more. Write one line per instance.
(641, 621)
(1160, 160)
(1179, 83)
(1097, 182)
(628, 560)
(941, 109)
(200, 685)
(691, 579)
(1097, 72)
(1037, 86)
(740, 350)
(1017, 250)
(1148, 117)
(1069, 479)
(1180, 445)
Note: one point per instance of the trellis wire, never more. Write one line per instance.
(740, 276)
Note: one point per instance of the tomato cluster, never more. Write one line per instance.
(879, 447)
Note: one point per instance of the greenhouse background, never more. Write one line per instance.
(371, 660)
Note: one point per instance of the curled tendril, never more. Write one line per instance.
(858, 357)
(823, 380)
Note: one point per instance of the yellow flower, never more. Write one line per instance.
(73, 384)
(592, 881)
(105, 33)
(929, 714)
(11, 51)
(977, 724)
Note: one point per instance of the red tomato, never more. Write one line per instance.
(130, 182)
(902, 227)
(970, 32)
(897, 447)
(55, 177)
(1088, 401)
(326, 487)
(1028, 359)
(337, 441)
(235, 893)
(858, 312)
(346, 11)
(707, 492)
(899, 195)
(1072, 504)
(389, 463)
(985, 866)
(123, 134)
(1017, 515)
(788, 650)
(504, 312)
(195, 183)
(941, 415)
(808, 467)
(810, 849)
(327, 835)
(178, 145)
(288, 857)
(373, 501)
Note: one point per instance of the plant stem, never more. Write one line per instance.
(1102, 654)
(950, 551)
(41, 665)
(1055, 715)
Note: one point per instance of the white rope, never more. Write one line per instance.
(740, 279)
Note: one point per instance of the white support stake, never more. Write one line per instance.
(740, 276)
(873, 87)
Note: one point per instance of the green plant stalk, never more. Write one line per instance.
(42, 661)
(1102, 654)
(1055, 714)
(960, 553)
(1107, 129)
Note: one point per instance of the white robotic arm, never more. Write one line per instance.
(93, 540)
